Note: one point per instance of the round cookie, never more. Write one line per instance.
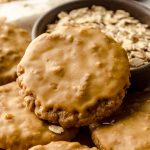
(73, 76)
(13, 42)
(128, 128)
(20, 129)
(62, 145)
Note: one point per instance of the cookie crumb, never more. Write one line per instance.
(56, 129)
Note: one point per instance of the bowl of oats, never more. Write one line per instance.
(127, 22)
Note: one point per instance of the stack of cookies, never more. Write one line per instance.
(13, 42)
(71, 77)
(20, 129)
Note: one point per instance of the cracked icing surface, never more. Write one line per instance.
(13, 42)
(73, 68)
(62, 145)
(20, 128)
(129, 128)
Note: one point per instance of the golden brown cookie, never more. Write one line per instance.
(20, 128)
(13, 42)
(73, 76)
(62, 145)
(129, 128)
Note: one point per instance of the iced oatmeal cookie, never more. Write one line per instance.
(13, 42)
(20, 129)
(128, 128)
(73, 76)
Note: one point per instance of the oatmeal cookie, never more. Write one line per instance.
(20, 129)
(128, 128)
(62, 145)
(13, 42)
(73, 76)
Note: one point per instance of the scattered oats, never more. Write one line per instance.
(56, 129)
(109, 123)
(141, 45)
(146, 63)
(106, 123)
(147, 55)
(137, 54)
(136, 62)
(62, 15)
(113, 121)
